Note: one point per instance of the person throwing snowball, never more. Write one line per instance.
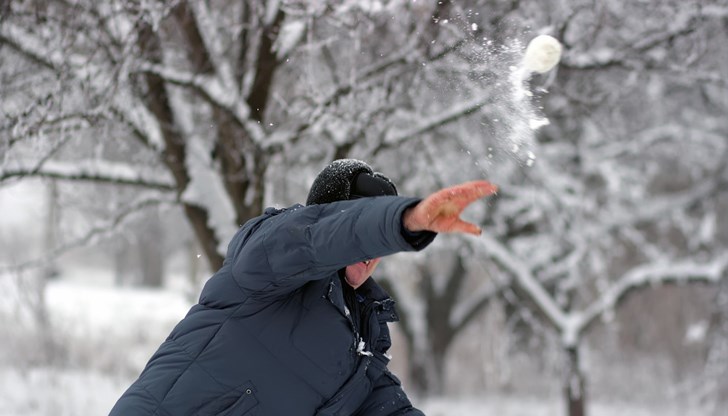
(293, 323)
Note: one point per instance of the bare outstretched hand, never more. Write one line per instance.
(440, 212)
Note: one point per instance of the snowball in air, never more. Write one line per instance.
(542, 54)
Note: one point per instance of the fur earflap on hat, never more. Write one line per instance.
(348, 179)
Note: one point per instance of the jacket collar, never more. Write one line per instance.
(371, 291)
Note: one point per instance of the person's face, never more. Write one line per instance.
(358, 273)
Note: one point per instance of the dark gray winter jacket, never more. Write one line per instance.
(272, 334)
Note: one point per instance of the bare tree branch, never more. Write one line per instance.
(95, 233)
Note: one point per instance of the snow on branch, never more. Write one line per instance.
(213, 91)
(681, 25)
(72, 121)
(657, 207)
(207, 191)
(207, 85)
(715, 11)
(654, 135)
(407, 54)
(439, 120)
(362, 80)
(89, 170)
(212, 40)
(692, 76)
(123, 103)
(525, 280)
(654, 274)
(464, 309)
(27, 45)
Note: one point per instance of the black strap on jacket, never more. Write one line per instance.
(357, 388)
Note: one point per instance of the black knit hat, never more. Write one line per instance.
(348, 179)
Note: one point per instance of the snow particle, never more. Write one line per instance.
(537, 123)
(696, 332)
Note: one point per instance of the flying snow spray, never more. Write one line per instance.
(542, 54)
(516, 114)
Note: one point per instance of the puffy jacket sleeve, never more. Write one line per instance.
(308, 243)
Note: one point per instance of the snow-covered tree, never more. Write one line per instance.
(192, 103)
(222, 107)
(622, 190)
(218, 107)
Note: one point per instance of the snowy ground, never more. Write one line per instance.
(73, 393)
(103, 318)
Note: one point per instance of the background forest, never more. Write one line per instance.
(137, 136)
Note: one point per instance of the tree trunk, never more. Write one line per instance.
(437, 386)
(151, 253)
(427, 373)
(175, 149)
(50, 271)
(122, 260)
(193, 262)
(574, 384)
(151, 264)
(419, 373)
(428, 367)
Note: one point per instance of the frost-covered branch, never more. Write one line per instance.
(210, 88)
(525, 279)
(33, 49)
(681, 25)
(212, 41)
(397, 138)
(19, 129)
(109, 42)
(89, 170)
(123, 103)
(654, 136)
(572, 324)
(207, 85)
(362, 80)
(658, 206)
(653, 274)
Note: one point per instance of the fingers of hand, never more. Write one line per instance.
(441, 211)
(463, 195)
(469, 192)
(478, 189)
(465, 227)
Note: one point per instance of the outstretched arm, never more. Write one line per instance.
(300, 244)
(440, 212)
